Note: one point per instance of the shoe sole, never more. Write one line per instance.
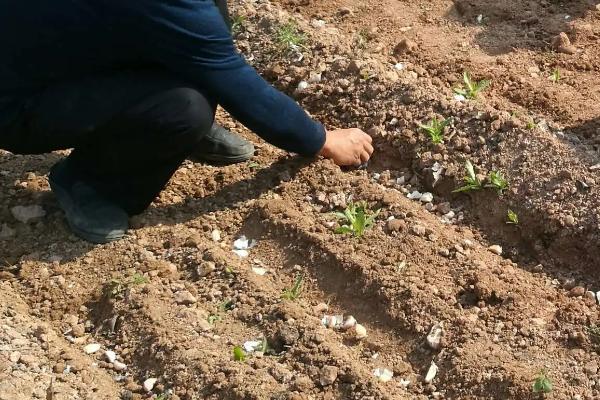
(223, 160)
(64, 200)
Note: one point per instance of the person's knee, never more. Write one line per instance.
(191, 112)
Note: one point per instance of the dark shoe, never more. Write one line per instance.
(222, 147)
(89, 215)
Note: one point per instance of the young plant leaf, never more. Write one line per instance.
(239, 354)
(542, 383)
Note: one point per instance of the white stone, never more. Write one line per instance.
(434, 338)
(383, 374)
(259, 270)
(25, 214)
(426, 197)
(431, 372)
(416, 195)
(149, 384)
(360, 331)
(404, 383)
(459, 97)
(119, 366)
(349, 323)
(216, 235)
(110, 355)
(496, 249)
(91, 348)
(303, 85)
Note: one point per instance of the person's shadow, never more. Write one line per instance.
(509, 25)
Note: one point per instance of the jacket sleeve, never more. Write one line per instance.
(190, 38)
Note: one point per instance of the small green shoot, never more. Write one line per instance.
(542, 383)
(237, 24)
(358, 219)
(295, 291)
(288, 37)
(471, 180)
(253, 165)
(531, 125)
(471, 88)
(116, 287)
(497, 181)
(161, 396)
(239, 354)
(555, 76)
(227, 305)
(512, 218)
(435, 129)
(213, 319)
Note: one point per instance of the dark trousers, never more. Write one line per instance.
(129, 131)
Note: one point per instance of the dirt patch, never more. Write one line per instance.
(172, 300)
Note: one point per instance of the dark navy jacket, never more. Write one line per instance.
(46, 41)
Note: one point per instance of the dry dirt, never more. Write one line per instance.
(172, 300)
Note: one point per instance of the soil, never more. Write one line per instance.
(172, 300)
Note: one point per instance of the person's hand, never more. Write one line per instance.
(347, 147)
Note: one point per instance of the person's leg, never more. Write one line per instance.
(130, 132)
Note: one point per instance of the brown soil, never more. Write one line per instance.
(505, 317)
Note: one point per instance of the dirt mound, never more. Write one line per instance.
(439, 282)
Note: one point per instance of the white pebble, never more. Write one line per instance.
(302, 85)
(383, 374)
(149, 384)
(431, 373)
(216, 235)
(426, 197)
(434, 338)
(119, 366)
(259, 270)
(459, 97)
(404, 383)
(360, 331)
(350, 322)
(416, 195)
(110, 355)
(496, 249)
(91, 348)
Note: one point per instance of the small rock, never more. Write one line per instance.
(426, 198)
(91, 348)
(184, 297)
(395, 225)
(383, 374)
(110, 355)
(360, 332)
(321, 308)
(418, 230)
(591, 368)
(349, 323)
(14, 357)
(577, 291)
(405, 46)
(434, 338)
(149, 384)
(562, 44)
(569, 220)
(119, 366)
(26, 214)
(590, 295)
(328, 375)
(431, 372)
(496, 249)
(205, 269)
(215, 235)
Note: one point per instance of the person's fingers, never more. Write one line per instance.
(364, 157)
(369, 148)
(369, 138)
(357, 160)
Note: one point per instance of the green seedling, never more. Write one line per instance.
(512, 218)
(239, 354)
(227, 305)
(531, 125)
(358, 219)
(213, 319)
(161, 396)
(542, 383)
(497, 181)
(253, 165)
(295, 291)
(237, 24)
(555, 76)
(288, 37)
(471, 88)
(435, 129)
(471, 180)
(116, 287)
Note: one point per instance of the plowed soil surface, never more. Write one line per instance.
(172, 300)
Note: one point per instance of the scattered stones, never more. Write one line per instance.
(328, 375)
(431, 372)
(26, 214)
(434, 338)
(185, 297)
(496, 249)
(91, 348)
(577, 291)
(149, 383)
